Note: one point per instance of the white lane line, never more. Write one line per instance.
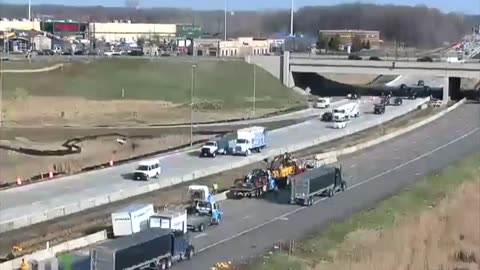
(350, 187)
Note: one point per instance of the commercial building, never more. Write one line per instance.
(128, 31)
(347, 36)
(22, 24)
(244, 46)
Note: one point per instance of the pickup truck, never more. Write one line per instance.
(214, 147)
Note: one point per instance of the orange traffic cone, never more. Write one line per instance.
(19, 181)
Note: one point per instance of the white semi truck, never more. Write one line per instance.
(345, 112)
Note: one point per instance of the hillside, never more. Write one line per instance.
(415, 26)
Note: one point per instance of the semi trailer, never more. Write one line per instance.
(324, 180)
(154, 247)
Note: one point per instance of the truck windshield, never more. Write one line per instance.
(142, 168)
(210, 144)
(339, 111)
(242, 141)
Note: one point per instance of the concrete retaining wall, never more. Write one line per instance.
(52, 251)
(8, 225)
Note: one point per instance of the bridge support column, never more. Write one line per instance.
(286, 74)
(446, 90)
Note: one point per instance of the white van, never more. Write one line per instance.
(147, 169)
(323, 102)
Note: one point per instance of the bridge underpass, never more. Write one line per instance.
(452, 72)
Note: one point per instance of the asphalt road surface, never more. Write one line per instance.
(252, 226)
(47, 195)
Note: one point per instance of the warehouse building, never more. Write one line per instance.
(347, 36)
(128, 31)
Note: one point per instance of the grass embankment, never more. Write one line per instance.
(432, 224)
(228, 83)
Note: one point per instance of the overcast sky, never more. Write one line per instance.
(465, 6)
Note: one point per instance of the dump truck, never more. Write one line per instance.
(255, 184)
(324, 180)
(154, 247)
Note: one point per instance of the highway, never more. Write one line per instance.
(32, 199)
(252, 226)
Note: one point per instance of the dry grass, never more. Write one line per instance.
(94, 152)
(445, 237)
(58, 111)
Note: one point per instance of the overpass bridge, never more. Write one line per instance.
(284, 66)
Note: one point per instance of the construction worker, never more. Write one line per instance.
(215, 188)
(24, 265)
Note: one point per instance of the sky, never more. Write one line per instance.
(465, 6)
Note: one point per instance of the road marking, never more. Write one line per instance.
(353, 166)
(200, 235)
(350, 187)
(284, 218)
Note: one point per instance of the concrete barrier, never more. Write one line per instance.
(162, 183)
(51, 252)
(389, 136)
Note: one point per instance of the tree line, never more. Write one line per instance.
(414, 26)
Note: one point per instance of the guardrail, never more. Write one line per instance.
(72, 208)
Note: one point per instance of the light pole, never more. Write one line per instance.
(291, 19)
(225, 21)
(192, 86)
(29, 10)
(254, 87)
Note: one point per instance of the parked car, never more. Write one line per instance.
(374, 58)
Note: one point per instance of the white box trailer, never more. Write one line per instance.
(175, 220)
(131, 219)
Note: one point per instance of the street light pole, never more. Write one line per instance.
(254, 87)
(191, 103)
(291, 19)
(225, 22)
(29, 10)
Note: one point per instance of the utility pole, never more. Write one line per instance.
(191, 103)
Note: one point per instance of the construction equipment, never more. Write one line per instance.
(282, 167)
(255, 184)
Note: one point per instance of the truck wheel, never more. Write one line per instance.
(201, 227)
(169, 263)
(162, 265)
(331, 192)
(214, 154)
(310, 201)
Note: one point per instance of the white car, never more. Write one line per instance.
(340, 125)
(323, 103)
(147, 169)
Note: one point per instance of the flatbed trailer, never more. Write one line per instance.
(254, 185)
